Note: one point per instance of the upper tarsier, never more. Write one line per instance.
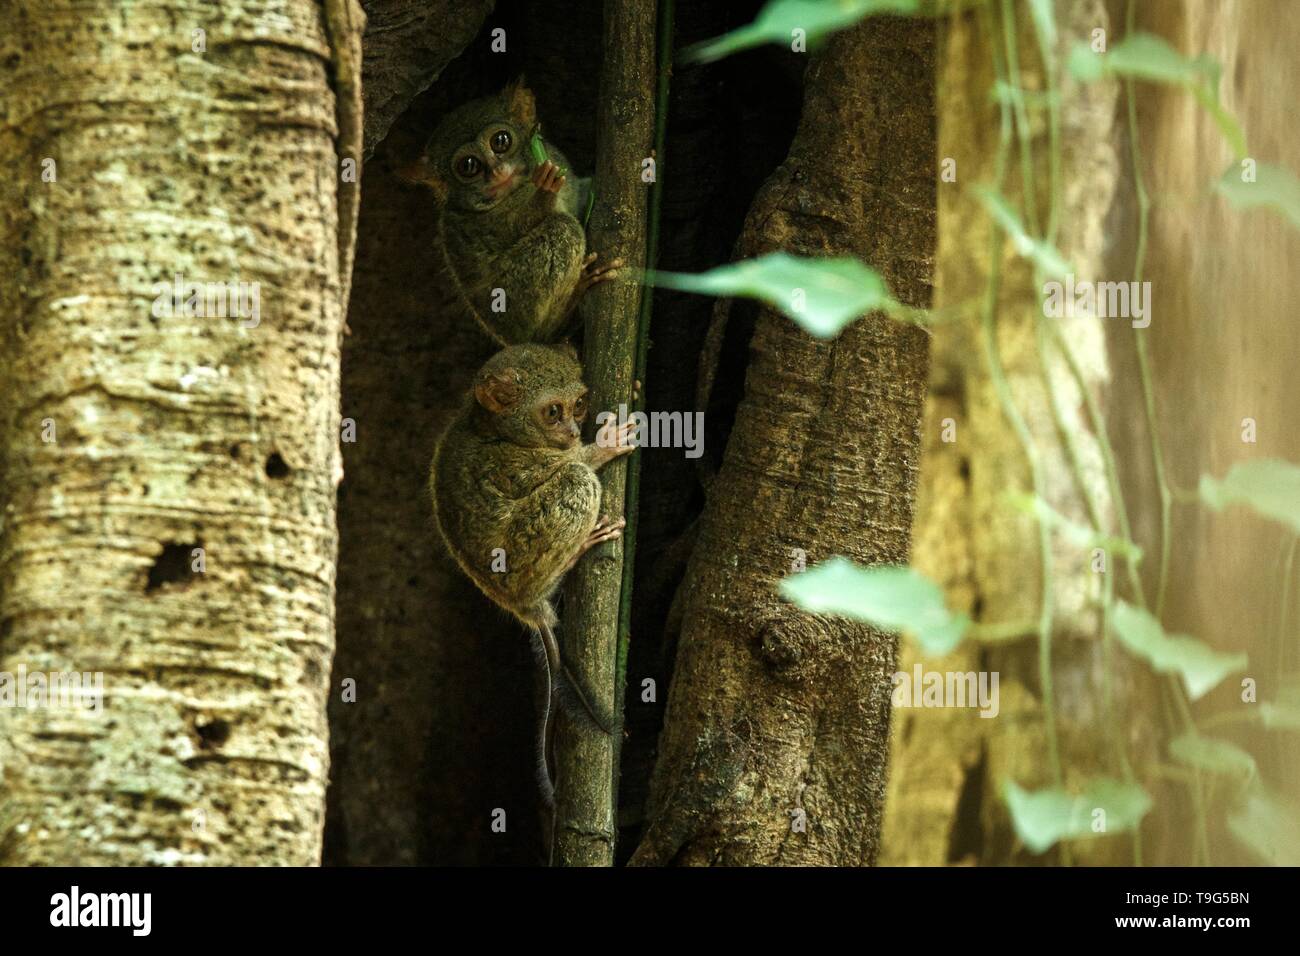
(510, 218)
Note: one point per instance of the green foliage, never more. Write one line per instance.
(888, 597)
(1042, 254)
(1200, 666)
(1266, 485)
(834, 291)
(1275, 187)
(1269, 826)
(1073, 532)
(1043, 818)
(1283, 713)
(776, 22)
(1144, 56)
(1216, 756)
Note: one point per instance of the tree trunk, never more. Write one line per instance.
(949, 763)
(170, 478)
(773, 711)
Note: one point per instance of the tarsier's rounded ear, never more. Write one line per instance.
(520, 103)
(421, 173)
(568, 349)
(500, 391)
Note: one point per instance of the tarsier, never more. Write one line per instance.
(517, 500)
(509, 221)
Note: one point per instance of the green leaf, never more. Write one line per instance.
(1078, 535)
(1283, 713)
(1145, 56)
(776, 22)
(1042, 254)
(1267, 485)
(1201, 666)
(889, 597)
(822, 295)
(1043, 818)
(1209, 753)
(1275, 187)
(1268, 825)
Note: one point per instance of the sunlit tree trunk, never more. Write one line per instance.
(170, 471)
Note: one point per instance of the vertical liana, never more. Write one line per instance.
(171, 305)
(584, 819)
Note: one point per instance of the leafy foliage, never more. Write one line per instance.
(1200, 666)
(1042, 254)
(1275, 187)
(1216, 756)
(1268, 486)
(1043, 818)
(893, 598)
(1269, 826)
(822, 295)
(777, 21)
(1145, 56)
(1077, 534)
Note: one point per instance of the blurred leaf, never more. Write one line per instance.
(1275, 187)
(776, 22)
(1282, 713)
(1268, 825)
(1201, 666)
(1042, 254)
(1267, 485)
(1078, 535)
(834, 291)
(1145, 56)
(1216, 756)
(1042, 818)
(889, 597)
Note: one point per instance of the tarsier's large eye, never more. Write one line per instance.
(553, 412)
(468, 166)
(580, 408)
(501, 141)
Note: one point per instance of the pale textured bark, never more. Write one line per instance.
(949, 763)
(172, 433)
(771, 709)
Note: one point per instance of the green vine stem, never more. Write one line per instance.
(1007, 401)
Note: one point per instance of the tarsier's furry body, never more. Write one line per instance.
(515, 491)
(509, 223)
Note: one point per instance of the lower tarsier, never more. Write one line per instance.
(514, 491)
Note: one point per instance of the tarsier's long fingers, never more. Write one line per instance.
(594, 272)
(548, 177)
(606, 530)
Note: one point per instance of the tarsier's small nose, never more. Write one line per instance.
(574, 430)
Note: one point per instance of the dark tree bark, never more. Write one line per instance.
(771, 709)
(407, 45)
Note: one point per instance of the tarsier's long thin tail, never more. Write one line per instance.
(561, 687)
